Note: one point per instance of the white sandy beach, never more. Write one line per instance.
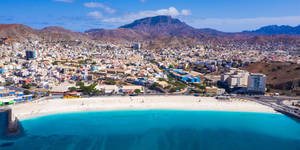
(47, 107)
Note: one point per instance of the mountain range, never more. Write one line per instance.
(151, 28)
(275, 29)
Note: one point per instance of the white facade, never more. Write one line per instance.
(108, 89)
(236, 78)
(257, 83)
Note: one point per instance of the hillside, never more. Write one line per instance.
(18, 31)
(116, 35)
(283, 77)
(173, 42)
(60, 34)
(24, 33)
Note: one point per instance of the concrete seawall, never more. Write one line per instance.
(9, 125)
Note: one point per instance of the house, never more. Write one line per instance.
(214, 91)
(163, 84)
(117, 71)
(131, 89)
(108, 89)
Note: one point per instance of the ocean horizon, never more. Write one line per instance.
(158, 130)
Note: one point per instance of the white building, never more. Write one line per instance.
(236, 78)
(108, 89)
(256, 83)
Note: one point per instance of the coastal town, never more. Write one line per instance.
(77, 69)
(56, 67)
(149, 75)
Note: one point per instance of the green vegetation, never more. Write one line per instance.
(268, 89)
(26, 92)
(177, 85)
(153, 61)
(36, 95)
(162, 79)
(137, 91)
(110, 82)
(174, 84)
(202, 87)
(27, 86)
(81, 62)
(155, 84)
(47, 93)
(86, 61)
(170, 79)
(79, 83)
(172, 90)
(72, 89)
(55, 63)
(8, 83)
(168, 87)
(88, 90)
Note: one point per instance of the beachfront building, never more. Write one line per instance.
(130, 89)
(214, 91)
(184, 76)
(108, 89)
(256, 83)
(235, 78)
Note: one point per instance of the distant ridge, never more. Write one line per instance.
(23, 33)
(275, 29)
(162, 30)
(163, 27)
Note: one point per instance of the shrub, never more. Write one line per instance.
(26, 92)
(72, 89)
(27, 86)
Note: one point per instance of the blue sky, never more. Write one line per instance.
(80, 15)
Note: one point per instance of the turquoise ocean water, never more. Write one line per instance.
(158, 130)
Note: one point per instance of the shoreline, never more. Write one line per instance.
(186, 103)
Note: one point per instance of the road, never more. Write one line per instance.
(276, 103)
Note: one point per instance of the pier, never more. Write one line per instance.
(9, 124)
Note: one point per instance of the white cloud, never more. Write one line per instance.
(100, 5)
(240, 24)
(66, 1)
(95, 14)
(172, 11)
(186, 12)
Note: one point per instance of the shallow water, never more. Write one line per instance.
(159, 130)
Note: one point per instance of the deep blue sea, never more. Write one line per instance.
(158, 130)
